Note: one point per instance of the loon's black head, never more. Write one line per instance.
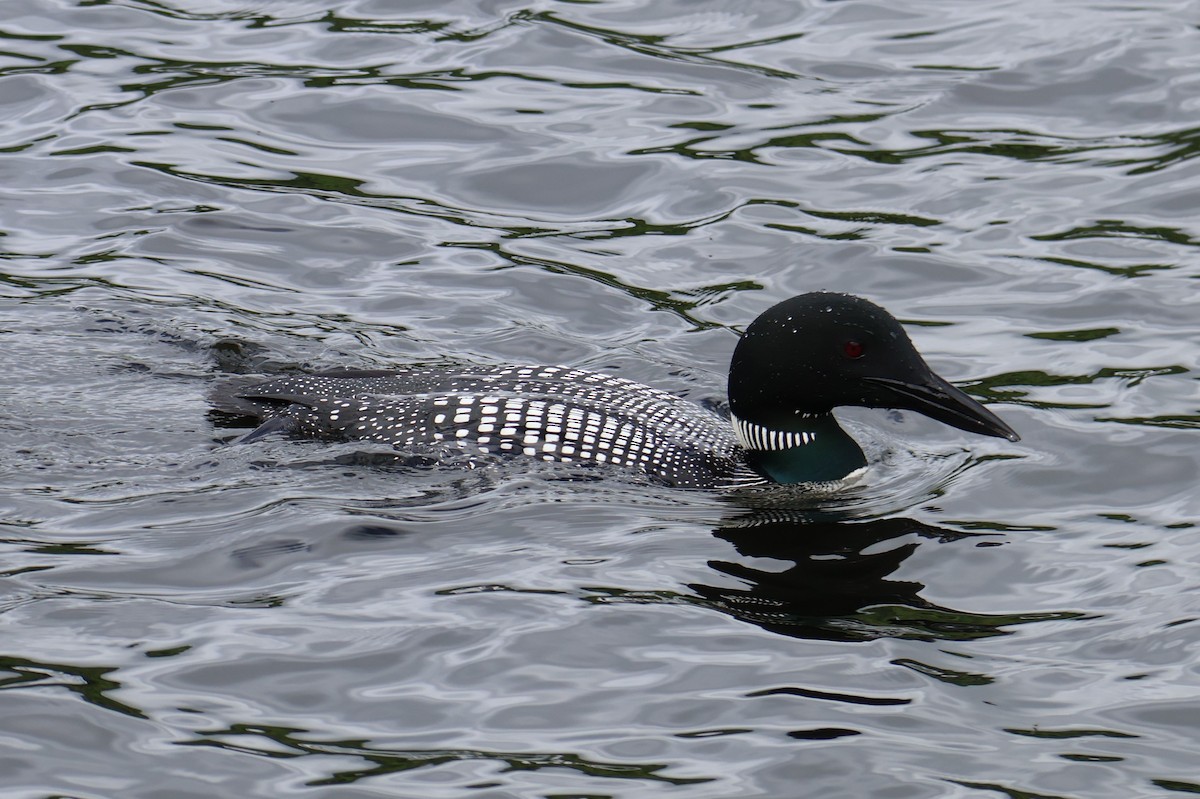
(812, 353)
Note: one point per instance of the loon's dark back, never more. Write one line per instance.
(547, 412)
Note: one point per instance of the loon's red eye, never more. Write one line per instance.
(853, 349)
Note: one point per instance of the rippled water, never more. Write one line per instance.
(189, 189)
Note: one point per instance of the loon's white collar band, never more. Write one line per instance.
(755, 436)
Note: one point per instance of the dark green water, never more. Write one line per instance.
(617, 186)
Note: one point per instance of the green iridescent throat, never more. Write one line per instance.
(828, 454)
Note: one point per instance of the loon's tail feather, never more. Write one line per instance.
(226, 397)
(229, 397)
(276, 424)
(258, 396)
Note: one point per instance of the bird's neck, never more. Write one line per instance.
(799, 449)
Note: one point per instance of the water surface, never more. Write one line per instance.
(189, 190)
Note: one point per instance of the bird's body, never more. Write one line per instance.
(549, 413)
(795, 363)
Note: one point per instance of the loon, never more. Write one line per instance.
(795, 363)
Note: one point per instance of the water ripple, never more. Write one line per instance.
(189, 190)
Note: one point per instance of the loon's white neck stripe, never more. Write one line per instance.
(755, 436)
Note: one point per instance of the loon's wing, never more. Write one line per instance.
(550, 413)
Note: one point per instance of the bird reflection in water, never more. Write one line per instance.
(837, 585)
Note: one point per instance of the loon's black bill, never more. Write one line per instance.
(939, 400)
